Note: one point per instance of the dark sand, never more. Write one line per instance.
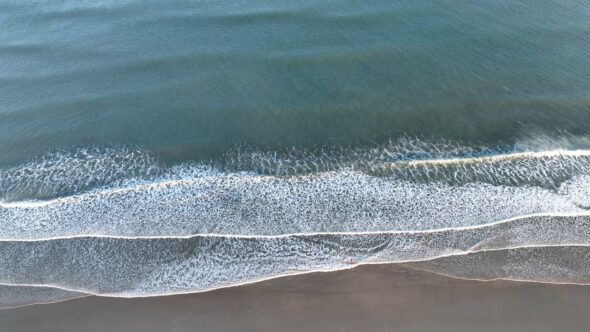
(369, 298)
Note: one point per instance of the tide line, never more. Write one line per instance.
(331, 269)
(582, 213)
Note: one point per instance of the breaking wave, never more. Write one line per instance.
(117, 222)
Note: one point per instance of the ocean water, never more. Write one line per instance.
(162, 147)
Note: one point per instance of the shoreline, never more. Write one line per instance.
(371, 297)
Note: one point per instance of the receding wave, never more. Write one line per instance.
(117, 222)
(545, 264)
(18, 296)
(160, 266)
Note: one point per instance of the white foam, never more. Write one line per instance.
(200, 200)
(150, 267)
(149, 230)
(65, 172)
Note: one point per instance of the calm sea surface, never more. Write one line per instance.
(191, 79)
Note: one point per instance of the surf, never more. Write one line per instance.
(124, 224)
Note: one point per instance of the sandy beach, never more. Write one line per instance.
(367, 298)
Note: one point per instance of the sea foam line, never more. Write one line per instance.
(491, 279)
(209, 172)
(509, 156)
(81, 295)
(333, 269)
(308, 234)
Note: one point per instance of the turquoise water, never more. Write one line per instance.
(163, 147)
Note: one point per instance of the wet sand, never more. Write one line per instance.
(368, 298)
